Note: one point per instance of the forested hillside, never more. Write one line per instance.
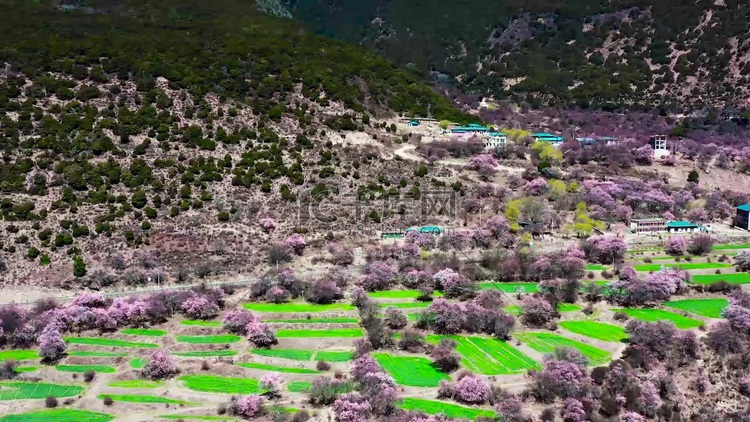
(604, 54)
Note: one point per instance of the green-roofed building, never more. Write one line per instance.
(682, 227)
(547, 137)
(742, 220)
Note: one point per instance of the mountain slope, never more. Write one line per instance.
(571, 52)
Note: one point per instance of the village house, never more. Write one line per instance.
(659, 144)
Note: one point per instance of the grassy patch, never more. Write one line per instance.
(20, 369)
(105, 369)
(198, 417)
(21, 390)
(332, 356)
(298, 386)
(219, 384)
(138, 363)
(733, 278)
(450, 410)
(200, 323)
(314, 321)
(58, 415)
(136, 384)
(91, 354)
(106, 342)
(148, 332)
(19, 354)
(292, 354)
(595, 267)
(206, 353)
(141, 398)
(548, 342)
(399, 294)
(709, 308)
(404, 305)
(218, 339)
(725, 247)
(653, 315)
(297, 307)
(683, 265)
(412, 371)
(511, 287)
(490, 356)
(338, 332)
(274, 368)
(597, 330)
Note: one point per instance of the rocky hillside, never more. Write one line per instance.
(601, 54)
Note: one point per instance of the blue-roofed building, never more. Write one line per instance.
(682, 226)
(609, 140)
(413, 123)
(742, 219)
(586, 141)
(495, 140)
(471, 128)
(547, 137)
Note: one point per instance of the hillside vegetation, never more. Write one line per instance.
(559, 52)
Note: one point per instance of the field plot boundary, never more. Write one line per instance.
(596, 330)
(712, 307)
(547, 343)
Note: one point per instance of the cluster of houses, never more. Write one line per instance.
(661, 225)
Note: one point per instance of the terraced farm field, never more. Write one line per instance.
(510, 287)
(334, 332)
(297, 307)
(144, 332)
(274, 368)
(58, 415)
(22, 390)
(314, 321)
(410, 371)
(200, 323)
(206, 353)
(683, 265)
(136, 384)
(94, 354)
(733, 278)
(140, 398)
(399, 294)
(219, 384)
(653, 315)
(490, 356)
(597, 330)
(18, 354)
(548, 342)
(108, 342)
(218, 339)
(83, 368)
(709, 308)
(434, 407)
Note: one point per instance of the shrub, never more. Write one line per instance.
(657, 287)
(452, 283)
(8, 369)
(237, 320)
(247, 407)
(676, 246)
(411, 340)
(511, 410)
(445, 357)
(277, 294)
(160, 366)
(51, 344)
(604, 249)
(448, 316)
(395, 318)
(351, 407)
(324, 292)
(261, 335)
(267, 224)
(273, 384)
(324, 391)
(559, 378)
(536, 311)
(701, 244)
(199, 307)
(378, 275)
(323, 366)
(573, 411)
(89, 375)
(472, 389)
(296, 242)
(742, 261)
(107, 400)
(50, 402)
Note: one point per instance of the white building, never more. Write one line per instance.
(495, 140)
(659, 144)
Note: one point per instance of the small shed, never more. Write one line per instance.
(414, 123)
(742, 219)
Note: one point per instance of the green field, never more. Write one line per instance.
(547, 343)
(314, 321)
(450, 410)
(597, 330)
(58, 415)
(733, 278)
(333, 356)
(336, 332)
(136, 384)
(404, 305)
(198, 417)
(92, 354)
(596, 267)
(200, 323)
(725, 247)
(297, 307)
(400, 294)
(140, 398)
(683, 265)
(138, 363)
(206, 353)
(217, 339)
(106, 342)
(510, 287)
(490, 356)
(709, 308)
(18, 354)
(411, 371)
(274, 368)
(105, 369)
(219, 384)
(21, 390)
(653, 315)
(20, 369)
(298, 386)
(144, 332)
(292, 354)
